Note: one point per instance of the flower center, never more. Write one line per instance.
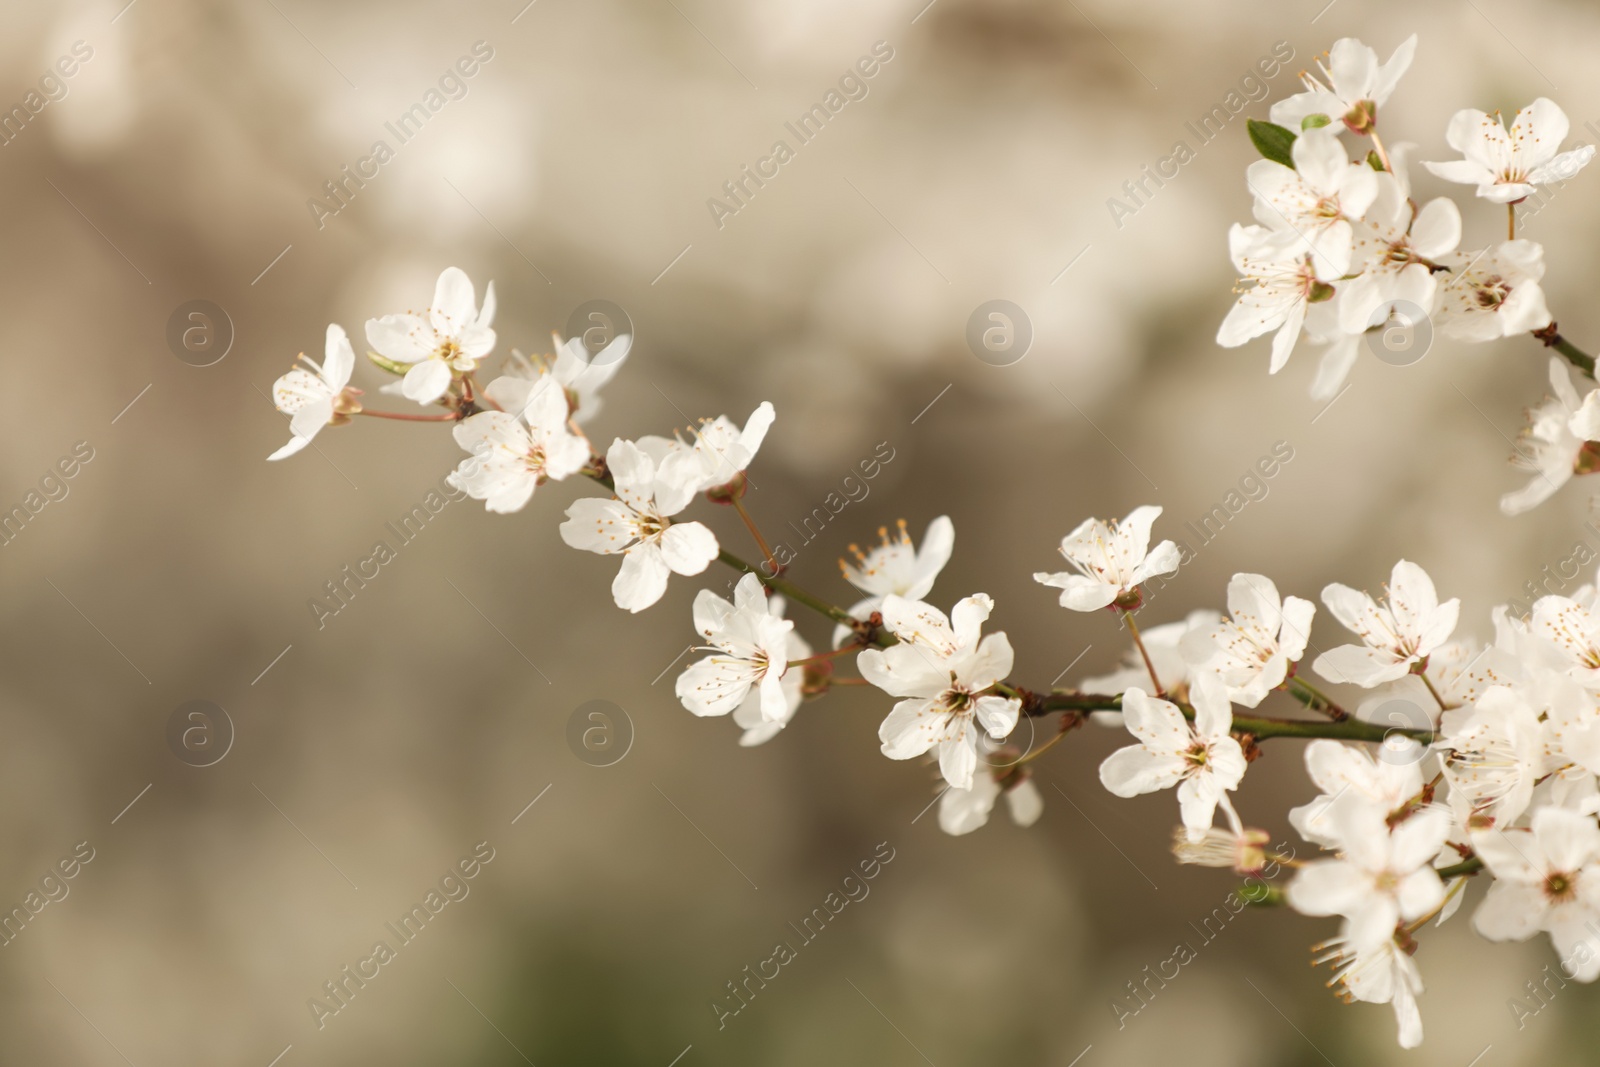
(1492, 292)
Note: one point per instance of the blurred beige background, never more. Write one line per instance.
(378, 751)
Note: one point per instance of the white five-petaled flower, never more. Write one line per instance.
(1316, 200)
(1493, 753)
(1201, 758)
(1250, 651)
(318, 397)
(1552, 443)
(1277, 284)
(1397, 246)
(750, 716)
(1460, 671)
(962, 811)
(1357, 85)
(449, 339)
(512, 456)
(1547, 879)
(896, 567)
(1505, 166)
(1345, 771)
(750, 647)
(1568, 633)
(580, 375)
(944, 668)
(1110, 559)
(1396, 635)
(719, 453)
(1494, 293)
(1383, 973)
(637, 522)
(1383, 876)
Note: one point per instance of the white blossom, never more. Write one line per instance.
(513, 454)
(1567, 631)
(320, 396)
(1506, 165)
(1383, 973)
(1344, 771)
(1356, 85)
(962, 811)
(1109, 560)
(750, 715)
(718, 455)
(1252, 650)
(1316, 200)
(637, 523)
(1493, 752)
(580, 376)
(1493, 293)
(944, 668)
(1396, 635)
(896, 567)
(1201, 758)
(1382, 876)
(1397, 247)
(1546, 878)
(446, 341)
(1277, 286)
(750, 647)
(1552, 444)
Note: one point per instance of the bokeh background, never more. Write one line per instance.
(378, 750)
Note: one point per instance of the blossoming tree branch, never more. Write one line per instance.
(1493, 779)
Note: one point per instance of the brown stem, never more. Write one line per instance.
(449, 416)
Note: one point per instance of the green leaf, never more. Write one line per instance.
(1313, 122)
(1374, 160)
(1272, 141)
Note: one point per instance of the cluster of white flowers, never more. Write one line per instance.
(1340, 246)
(1460, 759)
